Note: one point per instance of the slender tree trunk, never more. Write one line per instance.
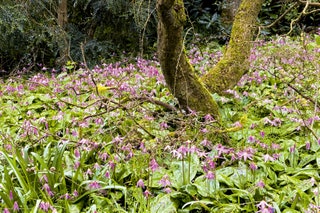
(178, 72)
(234, 64)
(62, 22)
(62, 13)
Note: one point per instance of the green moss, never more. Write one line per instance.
(234, 63)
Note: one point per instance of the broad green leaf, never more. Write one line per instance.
(205, 187)
(163, 204)
(183, 171)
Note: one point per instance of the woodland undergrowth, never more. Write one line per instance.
(112, 138)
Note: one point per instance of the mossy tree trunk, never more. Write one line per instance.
(234, 64)
(178, 72)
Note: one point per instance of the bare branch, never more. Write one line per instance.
(280, 17)
(316, 4)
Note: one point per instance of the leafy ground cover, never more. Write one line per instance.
(110, 139)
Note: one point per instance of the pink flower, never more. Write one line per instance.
(153, 165)
(10, 195)
(147, 193)
(264, 207)
(210, 175)
(94, 185)
(16, 206)
(308, 145)
(260, 184)
(246, 154)
(140, 183)
(46, 187)
(267, 157)
(165, 181)
(167, 190)
(253, 166)
(77, 153)
(164, 125)
(208, 117)
(107, 175)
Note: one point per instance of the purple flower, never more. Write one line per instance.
(292, 148)
(77, 153)
(88, 172)
(210, 175)
(165, 181)
(206, 143)
(147, 193)
(140, 183)
(267, 157)
(264, 207)
(75, 193)
(107, 175)
(44, 178)
(76, 165)
(66, 196)
(253, 166)
(6, 210)
(260, 184)
(275, 146)
(16, 206)
(45, 206)
(164, 125)
(46, 187)
(183, 150)
(167, 190)
(208, 117)
(251, 139)
(153, 165)
(308, 145)
(112, 164)
(246, 154)
(10, 195)
(94, 185)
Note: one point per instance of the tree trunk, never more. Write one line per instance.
(234, 64)
(178, 72)
(229, 10)
(62, 13)
(62, 22)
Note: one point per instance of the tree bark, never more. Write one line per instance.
(234, 64)
(229, 10)
(62, 13)
(178, 72)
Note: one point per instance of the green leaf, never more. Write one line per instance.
(205, 187)
(163, 204)
(16, 171)
(184, 171)
(290, 211)
(317, 38)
